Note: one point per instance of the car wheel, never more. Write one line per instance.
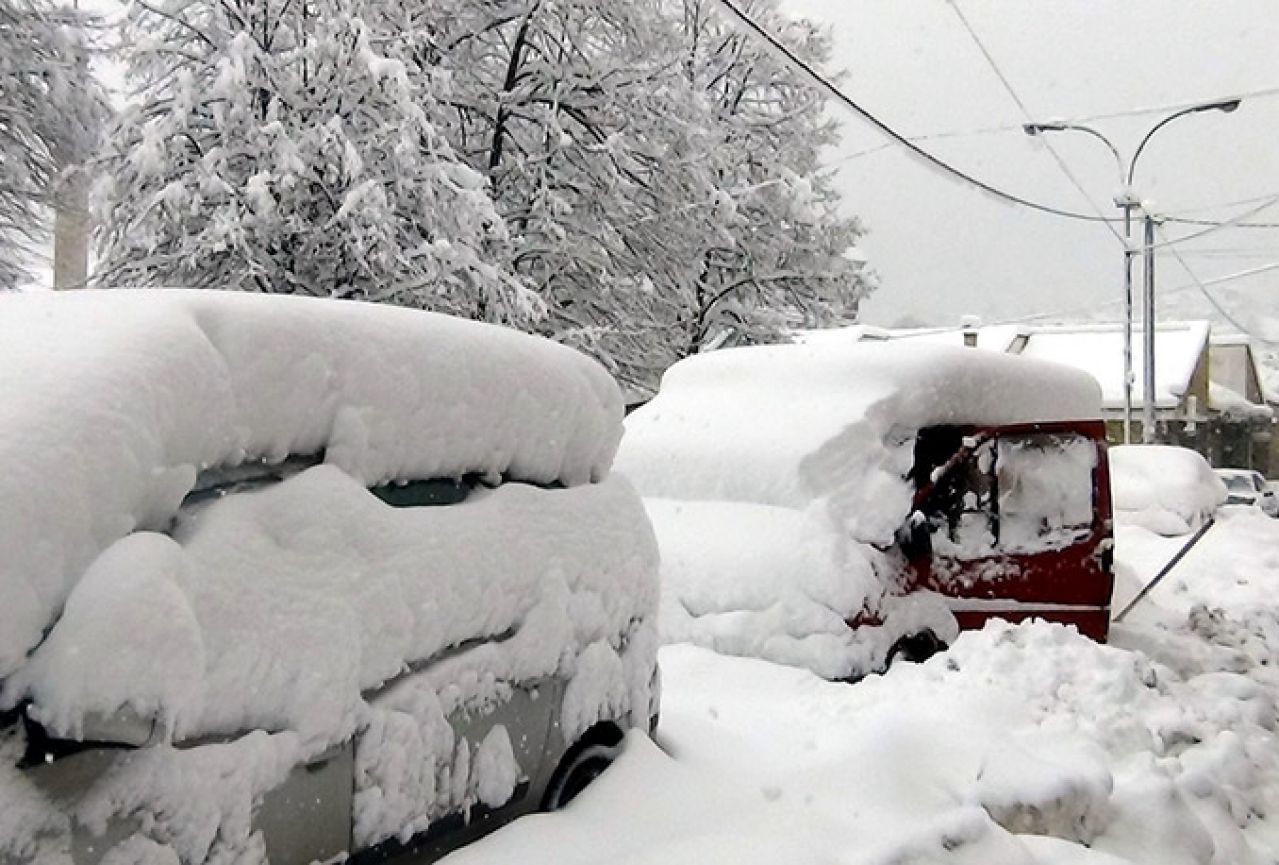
(576, 773)
(915, 648)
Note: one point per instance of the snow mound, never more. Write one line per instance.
(779, 584)
(788, 425)
(114, 400)
(1166, 489)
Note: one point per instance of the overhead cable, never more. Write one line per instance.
(1003, 79)
(1213, 227)
(941, 165)
(1203, 289)
(896, 136)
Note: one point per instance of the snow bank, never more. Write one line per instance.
(1166, 489)
(1019, 731)
(779, 584)
(113, 401)
(790, 424)
(1023, 745)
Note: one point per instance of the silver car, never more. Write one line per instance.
(238, 650)
(1248, 487)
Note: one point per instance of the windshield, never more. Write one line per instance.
(1238, 483)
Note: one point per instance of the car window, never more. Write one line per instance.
(1045, 485)
(218, 481)
(221, 481)
(1237, 483)
(1020, 493)
(412, 494)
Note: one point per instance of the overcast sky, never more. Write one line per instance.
(944, 250)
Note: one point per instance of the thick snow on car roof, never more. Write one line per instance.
(114, 400)
(789, 424)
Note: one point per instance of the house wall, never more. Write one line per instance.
(1232, 365)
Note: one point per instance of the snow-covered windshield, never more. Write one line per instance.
(1045, 490)
(1238, 483)
(1019, 493)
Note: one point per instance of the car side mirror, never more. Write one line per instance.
(914, 537)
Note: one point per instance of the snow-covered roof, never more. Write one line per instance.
(1099, 351)
(991, 337)
(114, 400)
(789, 424)
(1230, 402)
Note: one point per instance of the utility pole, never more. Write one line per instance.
(1148, 320)
(1127, 201)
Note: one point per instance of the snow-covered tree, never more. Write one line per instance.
(275, 147)
(50, 109)
(658, 171)
(781, 259)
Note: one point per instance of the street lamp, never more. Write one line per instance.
(1126, 201)
(1148, 307)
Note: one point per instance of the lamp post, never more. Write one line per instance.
(1126, 200)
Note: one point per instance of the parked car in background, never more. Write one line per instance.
(292, 580)
(1248, 487)
(837, 506)
(1165, 489)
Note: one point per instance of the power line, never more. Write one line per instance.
(1164, 109)
(1003, 79)
(937, 162)
(883, 127)
(1236, 203)
(1087, 118)
(1227, 252)
(1183, 221)
(1203, 289)
(1198, 284)
(1214, 227)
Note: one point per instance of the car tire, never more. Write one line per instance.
(915, 648)
(579, 769)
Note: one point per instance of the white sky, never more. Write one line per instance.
(943, 249)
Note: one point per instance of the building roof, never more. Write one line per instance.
(1098, 349)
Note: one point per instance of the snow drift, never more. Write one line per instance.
(1166, 489)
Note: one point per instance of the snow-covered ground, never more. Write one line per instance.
(1020, 745)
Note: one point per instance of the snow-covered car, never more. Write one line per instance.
(291, 580)
(1248, 487)
(1165, 489)
(835, 506)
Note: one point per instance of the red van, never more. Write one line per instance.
(838, 506)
